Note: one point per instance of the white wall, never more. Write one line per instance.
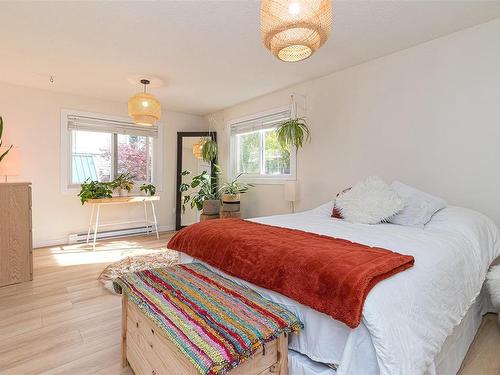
(32, 123)
(428, 116)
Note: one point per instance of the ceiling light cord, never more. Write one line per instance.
(145, 82)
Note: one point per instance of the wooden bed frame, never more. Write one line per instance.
(149, 352)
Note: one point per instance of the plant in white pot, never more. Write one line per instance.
(231, 191)
(206, 197)
(123, 183)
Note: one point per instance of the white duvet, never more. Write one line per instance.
(407, 317)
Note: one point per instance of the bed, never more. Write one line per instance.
(420, 321)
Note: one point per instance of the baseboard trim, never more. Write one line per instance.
(64, 240)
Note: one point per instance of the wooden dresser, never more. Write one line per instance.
(16, 245)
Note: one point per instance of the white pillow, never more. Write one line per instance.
(369, 202)
(419, 206)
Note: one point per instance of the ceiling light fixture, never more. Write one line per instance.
(294, 29)
(197, 148)
(144, 108)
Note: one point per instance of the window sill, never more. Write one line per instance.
(267, 180)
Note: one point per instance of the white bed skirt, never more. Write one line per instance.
(454, 349)
(447, 362)
(299, 364)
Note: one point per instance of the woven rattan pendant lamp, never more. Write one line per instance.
(294, 29)
(197, 149)
(144, 108)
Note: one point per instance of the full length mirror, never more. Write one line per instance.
(189, 158)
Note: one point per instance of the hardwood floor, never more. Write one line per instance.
(64, 322)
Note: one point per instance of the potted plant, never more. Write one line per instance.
(148, 189)
(209, 150)
(2, 155)
(231, 193)
(123, 183)
(205, 198)
(94, 190)
(293, 133)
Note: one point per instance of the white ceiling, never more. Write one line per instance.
(208, 53)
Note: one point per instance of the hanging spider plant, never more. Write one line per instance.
(209, 150)
(1, 131)
(293, 133)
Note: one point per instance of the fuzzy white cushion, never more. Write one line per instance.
(493, 285)
(419, 206)
(369, 202)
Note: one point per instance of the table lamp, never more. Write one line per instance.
(11, 163)
(291, 193)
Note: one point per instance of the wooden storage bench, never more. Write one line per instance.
(149, 351)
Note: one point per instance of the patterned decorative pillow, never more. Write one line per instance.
(336, 212)
(370, 201)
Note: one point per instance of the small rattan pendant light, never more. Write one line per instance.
(294, 29)
(144, 108)
(197, 148)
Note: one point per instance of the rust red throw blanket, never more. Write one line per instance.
(329, 274)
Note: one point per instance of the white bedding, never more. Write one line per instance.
(407, 317)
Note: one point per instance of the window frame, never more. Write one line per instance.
(259, 179)
(66, 153)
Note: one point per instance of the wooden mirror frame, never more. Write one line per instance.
(180, 136)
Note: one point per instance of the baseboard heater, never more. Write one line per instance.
(82, 237)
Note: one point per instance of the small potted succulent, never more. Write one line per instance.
(123, 183)
(148, 189)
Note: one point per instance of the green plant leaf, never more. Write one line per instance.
(5, 153)
(1, 132)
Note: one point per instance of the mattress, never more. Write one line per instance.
(447, 362)
(406, 318)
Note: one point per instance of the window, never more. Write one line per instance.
(255, 150)
(101, 148)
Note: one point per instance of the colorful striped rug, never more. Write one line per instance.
(214, 322)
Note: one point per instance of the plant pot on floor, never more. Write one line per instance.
(231, 202)
(211, 207)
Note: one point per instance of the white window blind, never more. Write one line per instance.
(76, 122)
(259, 123)
(255, 150)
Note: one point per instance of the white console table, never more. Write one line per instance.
(97, 204)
